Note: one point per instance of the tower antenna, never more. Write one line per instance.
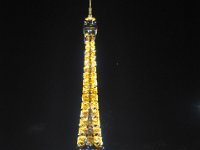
(90, 8)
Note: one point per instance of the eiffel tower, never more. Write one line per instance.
(89, 133)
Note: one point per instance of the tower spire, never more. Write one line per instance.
(90, 8)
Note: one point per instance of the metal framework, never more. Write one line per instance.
(89, 133)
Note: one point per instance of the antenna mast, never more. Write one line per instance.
(90, 8)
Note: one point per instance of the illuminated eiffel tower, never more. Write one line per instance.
(89, 133)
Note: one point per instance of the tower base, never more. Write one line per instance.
(89, 148)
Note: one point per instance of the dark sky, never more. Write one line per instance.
(148, 74)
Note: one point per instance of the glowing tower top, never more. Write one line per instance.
(89, 133)
(90, 25)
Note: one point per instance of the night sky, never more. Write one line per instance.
(148, 74)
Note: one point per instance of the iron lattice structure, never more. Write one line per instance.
(89, 133)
